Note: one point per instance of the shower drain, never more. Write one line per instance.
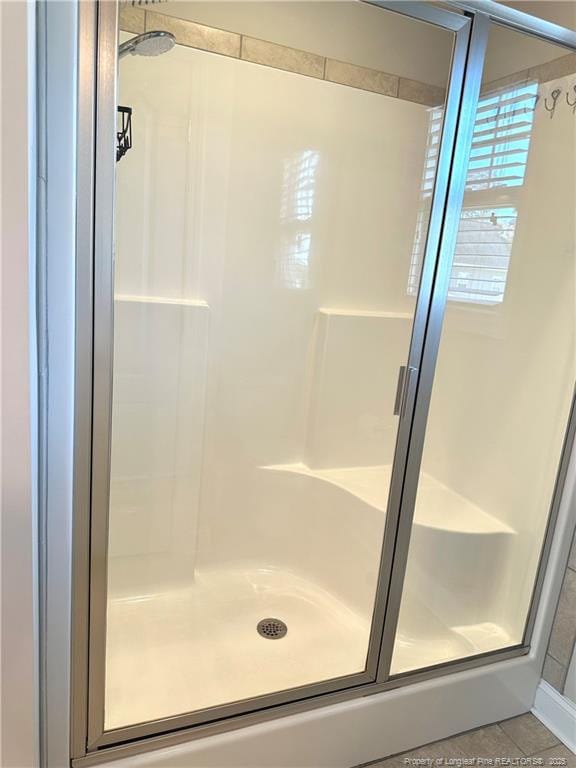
(272, 629)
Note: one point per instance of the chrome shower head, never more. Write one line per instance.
(148, 44)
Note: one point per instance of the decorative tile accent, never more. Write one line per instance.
(554, 673)
(131, 19)
(516, 78)
(269, 54)
(529, 734)
(196, 35)
(421, 93)
(251, 49)
(565, 65)
(361, 77)
(564, 628)
(281, 57)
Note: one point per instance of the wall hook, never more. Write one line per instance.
(572, 103)
(555, 96)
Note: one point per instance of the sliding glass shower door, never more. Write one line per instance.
(273, 201)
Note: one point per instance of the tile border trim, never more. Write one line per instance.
(253, 50)
(256, 51)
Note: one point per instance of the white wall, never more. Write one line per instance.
(19, 698)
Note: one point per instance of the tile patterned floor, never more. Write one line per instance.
(521, 737)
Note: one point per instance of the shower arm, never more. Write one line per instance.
(124, 49)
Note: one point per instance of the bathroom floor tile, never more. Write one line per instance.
(558, 752)
(529, 734)
(520, 737)
(490, 741)
(439, 749)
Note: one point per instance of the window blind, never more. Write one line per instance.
(496, 170)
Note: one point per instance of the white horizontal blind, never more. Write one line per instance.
(496, 170)
(502, 133)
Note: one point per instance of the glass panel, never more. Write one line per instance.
(506, 366)
(265, 220)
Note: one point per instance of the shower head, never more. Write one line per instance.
(148, 44)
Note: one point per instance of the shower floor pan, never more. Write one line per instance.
(199, 647)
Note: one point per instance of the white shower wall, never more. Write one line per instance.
(256, 203)
(160, 350)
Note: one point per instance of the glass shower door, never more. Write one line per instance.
(506, 367)
(271, 222)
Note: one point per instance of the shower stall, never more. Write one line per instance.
(329, 304)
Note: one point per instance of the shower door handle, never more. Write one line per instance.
(406, 377)
(399, 390)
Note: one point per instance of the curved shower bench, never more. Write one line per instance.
(453, 539)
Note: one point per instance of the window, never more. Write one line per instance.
(496, 172)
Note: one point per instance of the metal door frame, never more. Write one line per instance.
(94, 317)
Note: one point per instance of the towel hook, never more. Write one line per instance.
(555, 96)
(572, 103)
